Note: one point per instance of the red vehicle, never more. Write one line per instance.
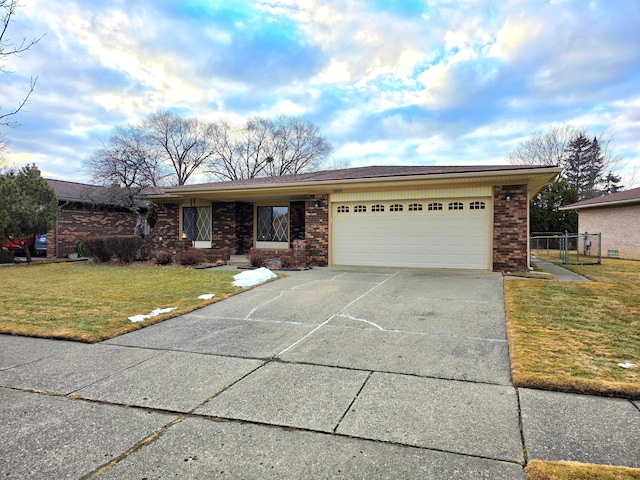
(17, 246)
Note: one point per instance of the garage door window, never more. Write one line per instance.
(343, 209)
(396, 207)
(435, 206)
(456, 206)
(415, 207)
(359, 209)
(477, 206)
(377, 208)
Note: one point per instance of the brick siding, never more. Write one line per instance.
(619, 225)
(223, 231)
(244, 227)
(296, 219)
(317, 229)
(74, 225)
(510, 235)
(166, 233)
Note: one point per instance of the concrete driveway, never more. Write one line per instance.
(327, 373)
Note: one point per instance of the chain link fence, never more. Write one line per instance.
(569, 249)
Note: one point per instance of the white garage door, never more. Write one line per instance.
(443, 233)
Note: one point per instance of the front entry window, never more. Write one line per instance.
(196, 223)
(273, 224)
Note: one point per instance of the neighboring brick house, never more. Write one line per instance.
(617, 218)
(472, 217)
(89, 211)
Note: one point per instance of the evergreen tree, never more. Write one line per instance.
(584, 168)
(545, 212)
(28, 206)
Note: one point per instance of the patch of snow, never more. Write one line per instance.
(626, 365)
(154, 313)
(248, 278)
(206, 296)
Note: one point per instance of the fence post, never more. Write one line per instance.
(565, 251)
(600, 248)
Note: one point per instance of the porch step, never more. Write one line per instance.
(238, 260)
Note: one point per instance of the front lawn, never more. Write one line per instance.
(90, 303)
(539, 470)
(572, 336)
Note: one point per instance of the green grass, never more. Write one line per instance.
(571, 336)
(90, 303)
(539, 470)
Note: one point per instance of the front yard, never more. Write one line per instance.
(572, 336)
(90, 303)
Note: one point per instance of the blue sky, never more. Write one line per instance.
(389, 82)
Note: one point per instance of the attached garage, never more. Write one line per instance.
(450, 232)
(424, 216)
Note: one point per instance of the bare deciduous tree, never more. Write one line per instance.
(545, 147)
(126, 159)
(185, 144)
(263, 147)
(9, 48)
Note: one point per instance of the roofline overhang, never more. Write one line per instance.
(615, 203)
(535, 178)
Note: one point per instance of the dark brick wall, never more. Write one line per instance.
(244, 227)
(510, 229)
(74, 225)
(166, 233)
(317, 229)
(223, 231)
(296, 219)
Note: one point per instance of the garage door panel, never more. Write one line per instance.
(436, 239)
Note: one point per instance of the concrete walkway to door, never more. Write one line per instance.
(328, 373)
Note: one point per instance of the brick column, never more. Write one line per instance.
(316, 223)
(510, 228)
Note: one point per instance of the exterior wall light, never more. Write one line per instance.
(507, 197)
(316, 204)
(184, 235)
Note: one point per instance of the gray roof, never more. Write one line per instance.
(112, 196)
(619, 198)
(359, 173)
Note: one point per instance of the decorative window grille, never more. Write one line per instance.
(415, 207)
(196, 223)
(360, 208)
(456, 206)
(343, 209)
(477, 206)
(273, 224)
(434, 206)
(377, 208)
(396, 207)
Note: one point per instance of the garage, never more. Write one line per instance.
(426, 232)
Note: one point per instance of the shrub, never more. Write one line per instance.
(103, 249)
(286, 261)
(6, 255)
(96, 248)
(164, 257)
(256, 260)
(125, 249)
(190, 256)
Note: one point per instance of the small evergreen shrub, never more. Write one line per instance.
(96, 248)
(124, 249)
(190, 256)
(103, 249)
(164, 257)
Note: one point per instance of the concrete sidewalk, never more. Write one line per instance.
(326, 373)
(561, 274)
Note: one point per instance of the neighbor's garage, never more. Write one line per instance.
(429, 232)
